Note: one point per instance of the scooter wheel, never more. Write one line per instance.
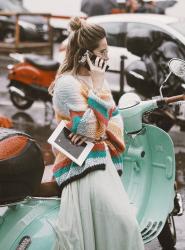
(20, 102)
(167, 237)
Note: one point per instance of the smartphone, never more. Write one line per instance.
(83, 60)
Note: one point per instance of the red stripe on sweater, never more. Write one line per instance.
(72, 115)
(100, 117)
(99, 147)
(119, 145)
(62, 164)
(76, 113)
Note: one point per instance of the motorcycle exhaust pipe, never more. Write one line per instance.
(17, 91)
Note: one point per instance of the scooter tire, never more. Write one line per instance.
(167, 237)
(20, 102)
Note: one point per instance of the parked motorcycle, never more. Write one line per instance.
(149, 175)
(147, 74)
(30, 79)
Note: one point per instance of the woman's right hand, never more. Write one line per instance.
(97, 72)
(77, 139)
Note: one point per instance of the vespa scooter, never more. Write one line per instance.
(30, 79)
(149, 176)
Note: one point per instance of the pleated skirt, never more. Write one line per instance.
(95, 214)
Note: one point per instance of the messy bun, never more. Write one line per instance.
(83, 36)
(76, 23)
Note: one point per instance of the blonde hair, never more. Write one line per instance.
(83, 36)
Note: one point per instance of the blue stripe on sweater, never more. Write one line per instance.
(115, 112)
(63, 170)
(75, 122)
(92, 154)
(117, 159)
(98, 107)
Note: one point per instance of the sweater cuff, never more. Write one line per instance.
(100, 107)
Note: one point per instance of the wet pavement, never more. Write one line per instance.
(40, 124)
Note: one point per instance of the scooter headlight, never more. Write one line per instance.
(128, 100)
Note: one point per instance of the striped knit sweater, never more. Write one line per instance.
(90, 114)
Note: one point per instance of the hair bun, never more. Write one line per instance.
(76, 23)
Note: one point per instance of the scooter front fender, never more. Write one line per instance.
(149, 176)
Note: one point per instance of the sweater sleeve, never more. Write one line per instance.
(115, 132)
(89, 112)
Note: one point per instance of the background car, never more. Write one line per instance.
(117, 27)
(64, 8)
(32, 28)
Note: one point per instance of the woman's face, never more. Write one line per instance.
(102, 50)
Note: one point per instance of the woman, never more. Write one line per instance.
(95, 213)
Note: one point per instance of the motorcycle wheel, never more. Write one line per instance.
(167, 237)
(20, 102)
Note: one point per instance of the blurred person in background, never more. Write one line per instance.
(149, 6)
(131, 6)
(98, 7)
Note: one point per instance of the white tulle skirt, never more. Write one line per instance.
(95, 214)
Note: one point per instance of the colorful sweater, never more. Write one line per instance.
(90, 114)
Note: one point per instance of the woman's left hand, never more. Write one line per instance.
(77, 139)
(97, 71)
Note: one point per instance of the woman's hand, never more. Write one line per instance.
(77, 139)
(97, 72)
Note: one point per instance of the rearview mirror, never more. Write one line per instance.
(177, 67)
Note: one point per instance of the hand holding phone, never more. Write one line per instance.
(92, 57)
(97, 71)
(83, 60)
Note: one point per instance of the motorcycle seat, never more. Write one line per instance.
(20, 176)
(42, 63)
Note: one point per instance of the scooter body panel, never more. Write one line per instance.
(29, 224)
(28, 74)
(149, 176)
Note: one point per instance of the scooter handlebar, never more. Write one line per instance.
(172, 99)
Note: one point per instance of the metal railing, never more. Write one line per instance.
(29, 46)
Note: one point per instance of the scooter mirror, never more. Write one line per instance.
(177, 67)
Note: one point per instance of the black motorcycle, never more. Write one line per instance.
(147, 74)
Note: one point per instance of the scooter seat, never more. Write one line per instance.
(20, 176)
(42, 63)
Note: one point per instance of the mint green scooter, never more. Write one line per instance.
(149, 176)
